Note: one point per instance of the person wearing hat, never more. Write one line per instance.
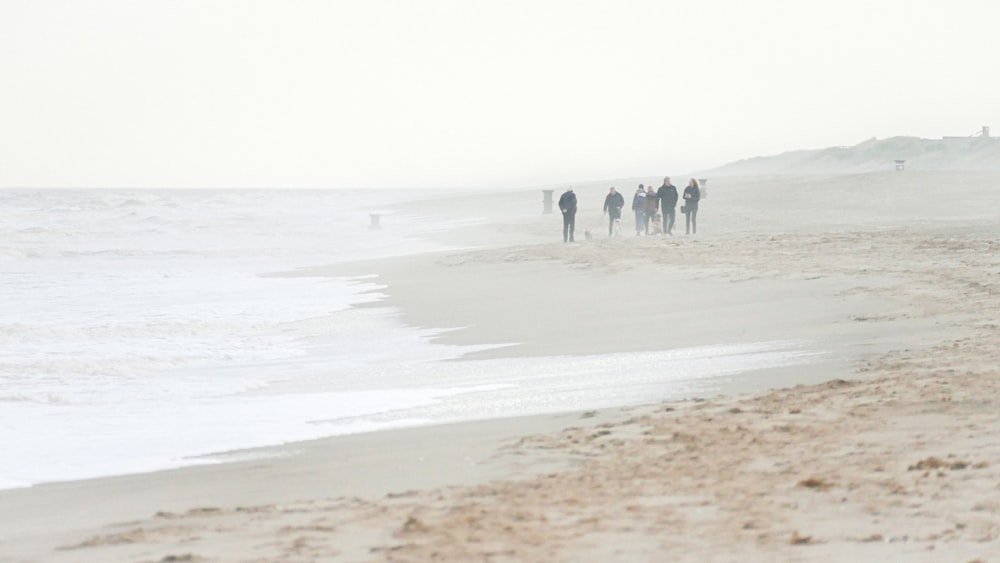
(567, 204)
(639, 206)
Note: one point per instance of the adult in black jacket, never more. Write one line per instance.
(668, 204)
(567, 204)
(613, 204)
(692, 194)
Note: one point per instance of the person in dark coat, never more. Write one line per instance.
(567, 204)
(668, 204)
(652, 206)
(613, 204)
(692, 194)
(639, 206)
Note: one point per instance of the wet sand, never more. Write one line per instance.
(892, 456)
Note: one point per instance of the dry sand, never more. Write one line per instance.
(894, 457)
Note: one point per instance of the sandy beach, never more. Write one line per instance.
(884, 449)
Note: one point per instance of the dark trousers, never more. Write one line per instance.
(611, 223)
(569, 224)
(669, 215)
(691, 220)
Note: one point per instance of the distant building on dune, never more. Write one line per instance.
(982, 133)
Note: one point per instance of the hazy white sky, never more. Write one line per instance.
(465, 93)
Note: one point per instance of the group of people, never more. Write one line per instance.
(650, 207)
(659, 208)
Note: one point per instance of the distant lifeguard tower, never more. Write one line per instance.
(702, 182)
(900, 165)
(547, 201)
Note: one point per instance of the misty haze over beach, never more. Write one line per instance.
(149, 329)
(290, 282)
(437, 93)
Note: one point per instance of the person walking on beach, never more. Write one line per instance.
(639, 206)
(613, 204)
(567, 204)
(652, 206)
(692, 194)
(668, 204)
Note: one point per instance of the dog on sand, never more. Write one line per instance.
(657, 224)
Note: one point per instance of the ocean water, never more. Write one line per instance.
(140, 330)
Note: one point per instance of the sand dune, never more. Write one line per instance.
(873, 155)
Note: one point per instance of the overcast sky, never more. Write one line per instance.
(433, 93)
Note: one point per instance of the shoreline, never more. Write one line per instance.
(725, 379)
(892, 457)
(364, 465)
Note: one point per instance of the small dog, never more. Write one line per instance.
(617, 229)
(657, 224)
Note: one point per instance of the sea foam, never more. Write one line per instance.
(142, 330)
